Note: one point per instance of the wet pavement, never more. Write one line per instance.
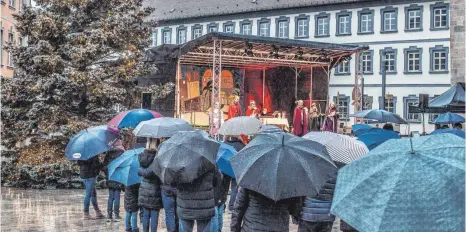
(34, 210)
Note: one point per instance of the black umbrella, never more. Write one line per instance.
(184, 157)
(282, 165)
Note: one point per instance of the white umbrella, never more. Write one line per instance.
(161, 127)
(341, 148)
(241, 126)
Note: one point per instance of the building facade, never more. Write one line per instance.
(412, 38)
(9, 35)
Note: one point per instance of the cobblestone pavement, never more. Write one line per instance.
(61, 210)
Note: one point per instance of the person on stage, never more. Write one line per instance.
(299, 120)
(331, 119)
(234, 109)
(217, 119)
(252, 110)
(314, 118)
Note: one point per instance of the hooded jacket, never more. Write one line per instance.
(149, 190)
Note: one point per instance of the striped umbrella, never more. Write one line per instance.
(341, 148)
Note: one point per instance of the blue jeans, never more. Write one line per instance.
(217, 221)
(91, 194)
(113, 204)
(131, 220)
(188, 225)
(234, 191)
(151, 217)
(169, 205)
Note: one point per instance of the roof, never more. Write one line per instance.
(184, 9)
(252, 51)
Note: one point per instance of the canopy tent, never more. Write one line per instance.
(219, 50)
(452, 97)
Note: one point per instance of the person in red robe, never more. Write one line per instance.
(252, 110)
(234, 109)
(300, 120)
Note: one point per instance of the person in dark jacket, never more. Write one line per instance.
(220, 195)
(238, 144)
(255, 212)
(88, 172)
(150, 199)
(131, 208)
(114, 188)
(196, 202)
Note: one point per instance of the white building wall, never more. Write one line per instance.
(399, 84)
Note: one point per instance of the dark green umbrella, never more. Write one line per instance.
(405, 185)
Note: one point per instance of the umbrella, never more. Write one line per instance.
(89, 143)
(281, 166)
(161, 127)
(457, 132)
(131, 118)
(377, 136)
(224, 155)
(455, 96)
(270, 129)
(184, 157)
(359, 129)
(124, 169)
(380, 116)
(244, 125)
(411, 184)
(341, 148)
(448, 118)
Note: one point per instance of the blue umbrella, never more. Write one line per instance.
(448, 118)
(380, 116)
(359, 129)
(411, 184)
(377, 136)
(90, 142)
(124, 169)
(457, 132)
(270, 129)
(225, 153)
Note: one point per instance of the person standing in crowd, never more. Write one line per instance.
(458, 126)
(88, 172)
(237, 143)
(150, 198)
(331, 119)
(299, 120)
(254, 212)
(220, 194)
(388, 126)
(114, 188)
(131, 208)
(196, 202)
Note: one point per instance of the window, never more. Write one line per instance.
(212, 27)
(433, 116)
(342, 102)
(322, 25)
(20, 42)
(10, 42)
(196, 31)
(181, 35)
(1, 46)
(365, 62)
(413, 60)
(438, 59)
(367, 104)
(411, 100)
(302, 26)
(413, 18)
(13, 3)
(229, 27)
(388, 59)
(264, 27)
(342, 68)
(389, 19)
(390, 103)
(167, 36)
(343, 23)
(439, 18)
(246, 27)
(282, 29)
(366, 21)
(154, 38)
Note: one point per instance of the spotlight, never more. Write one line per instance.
(248, 49)
(299, 55)
(274, 51)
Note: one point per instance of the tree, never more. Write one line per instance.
(82, 58)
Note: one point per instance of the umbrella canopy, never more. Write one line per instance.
(412, 184)
(244, 125)
(456, 132)
(124, 169)
(224, 155)
(448, 118)
(270, 129)
(184, 157)
(131, 118)
(359, 129)
(282, 165)
(452, 97)
(89, 143)
(161, 127)
(377, 136)
(381, 116)
(341, 148)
